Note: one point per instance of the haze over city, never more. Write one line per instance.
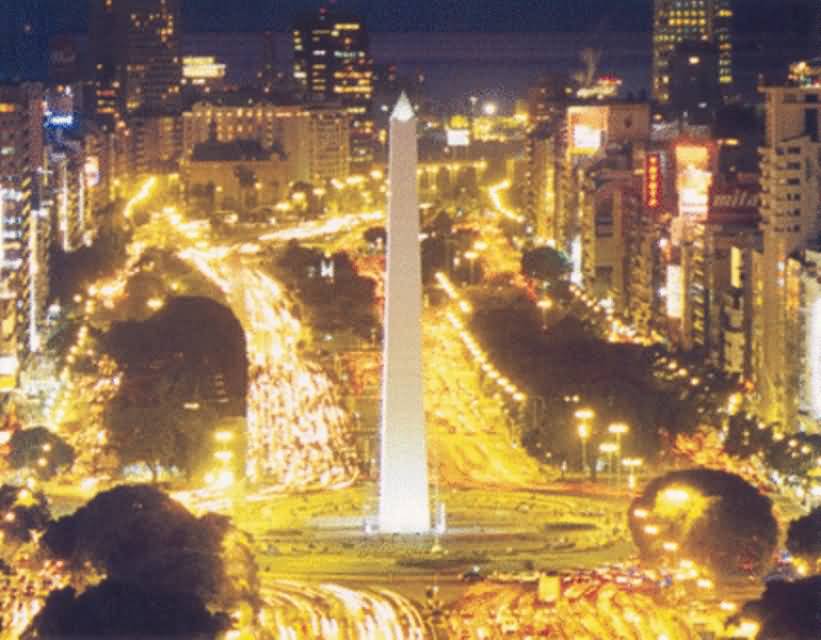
(368, 320)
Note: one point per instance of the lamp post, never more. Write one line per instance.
(584, 434)
(545, 304)
(632, 464)
(618, 429)
(609, 448)
(584, 416)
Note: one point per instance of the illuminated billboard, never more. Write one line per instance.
(739, 203)
(458, 137)
(202, 68)
(9, 367)
(587, 126)
(693, 179)
(675, 291)
(652, 180)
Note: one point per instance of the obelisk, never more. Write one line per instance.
(404, 505)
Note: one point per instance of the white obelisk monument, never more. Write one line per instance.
(404, 505)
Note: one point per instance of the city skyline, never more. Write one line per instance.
(518, 15)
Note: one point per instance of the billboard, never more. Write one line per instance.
(736, 203)
(587, 126)
(652, 181)
(694, 179)
(458, 137)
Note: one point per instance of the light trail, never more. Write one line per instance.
(321, 228)
(332, 612)
(496, 198)
(298, 436)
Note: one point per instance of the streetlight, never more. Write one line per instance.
(609, 448)
(545, 305)
(584, 416)
(618, 429)
(584, 434)
(632, 464)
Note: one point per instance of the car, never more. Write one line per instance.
(472, 575)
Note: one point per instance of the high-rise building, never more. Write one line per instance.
(677, 21)
(23, 231)
(544, 170)
(695, 92)
(136, 54)
(332, 63)
(790, 223)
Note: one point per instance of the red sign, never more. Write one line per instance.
(652, 180)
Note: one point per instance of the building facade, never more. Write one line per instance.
(314, 139)
(790, 223)
(23, 226)
(332, 63)
(678, 21)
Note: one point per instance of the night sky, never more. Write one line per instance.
(449, 15)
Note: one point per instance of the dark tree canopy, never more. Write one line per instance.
(804, 535)
(545, 263)
(137, 534)
(788, 610)
(41, 450)
(203, 333)
(115, 609)
(717, 519)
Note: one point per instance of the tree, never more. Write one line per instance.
(787, 610)
(115, 609)
(24, 512)
(442, 224)
(40, 450)
(545, 263)
(804, 535)
(376, 236)
(247, 180)
(716, 518)
(137, 534)
(142, 426)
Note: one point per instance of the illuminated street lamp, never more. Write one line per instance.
(584, 434)
(584, 416)
(545, 305)
(609, 448)
(618, 429)
(632, 464)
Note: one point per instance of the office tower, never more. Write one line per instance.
(22, 227)
(790, 223)
(543, 152)
(404, 505)
(695, 91)
(135, 48)
(677, 21)
(332, 63)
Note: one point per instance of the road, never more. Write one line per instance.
(329, 611)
